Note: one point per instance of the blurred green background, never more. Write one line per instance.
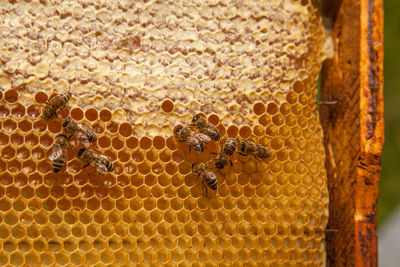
(389, 191)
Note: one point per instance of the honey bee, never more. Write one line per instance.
(257, 150)
(229, 147)
(205, 127)
(194, 140)
(227, 151)
(208, 177)
(94, 158)
(55, 102)
(58, 153)
(81, 132)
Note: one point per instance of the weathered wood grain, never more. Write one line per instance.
(354, 130)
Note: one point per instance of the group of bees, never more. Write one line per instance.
(83, 134)
(195, 135)
(205, 132)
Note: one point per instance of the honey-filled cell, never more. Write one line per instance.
(152, 208)
(33, 111)
(125, 129)
(18, 111)
(9, 125)
(167, 106)
(91, 114)
(4, 111)
(105, 115)
(17, 139)
(11, 96)
(77, 114)
(112, 127)
(40, 125)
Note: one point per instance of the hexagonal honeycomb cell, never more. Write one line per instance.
(136, 70)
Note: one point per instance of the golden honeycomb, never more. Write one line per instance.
(136, 69)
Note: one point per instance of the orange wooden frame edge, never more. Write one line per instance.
(353, 129)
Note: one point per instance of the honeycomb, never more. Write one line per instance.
(136, 69)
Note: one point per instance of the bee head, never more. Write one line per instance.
(178, 129)
(219, 165)
(66, 122)
(81, 152)
(195, 118)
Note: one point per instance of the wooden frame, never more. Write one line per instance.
(353, 129)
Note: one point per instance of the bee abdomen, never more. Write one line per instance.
(216, 137)
(49, 112)
(213, 184)
(213, 133)
(229, 152)
(109, 166)
(199, 147)
(264, 154)
(57, 165)
(67, 97)
(230, 147)
(219, 165)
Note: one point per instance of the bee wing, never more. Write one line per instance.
(57, 152)
(100, 163)
(82, 137)
(84, 128)
(213, 132)
(203, 137)
(195, 143)
(100, 167)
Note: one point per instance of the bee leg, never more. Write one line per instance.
(240, 153)
(102, 180)
(48, 101)
(215, 153)
(87, 164)
(205, 187)
(230, 161)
